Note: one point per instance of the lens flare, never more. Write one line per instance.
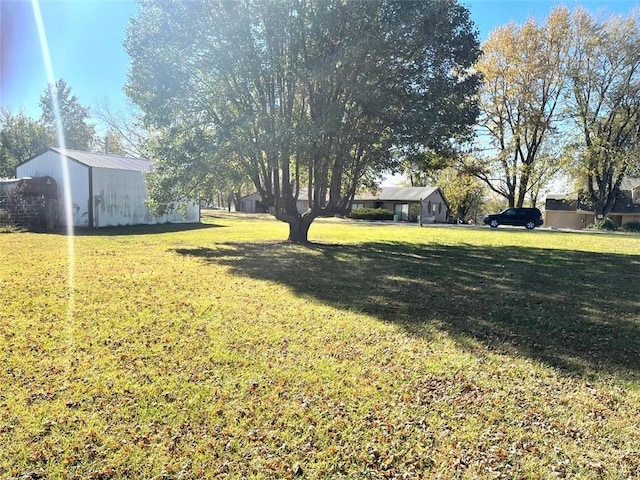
(68, 210)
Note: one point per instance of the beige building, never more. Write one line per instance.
(566, 211)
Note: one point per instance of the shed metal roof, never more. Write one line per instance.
(102, 160)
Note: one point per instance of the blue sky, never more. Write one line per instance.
(85, 42)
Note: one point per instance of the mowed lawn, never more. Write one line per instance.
(379, 351)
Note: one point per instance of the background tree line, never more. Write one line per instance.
(22, 137)
(561, 96)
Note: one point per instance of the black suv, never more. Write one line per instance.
(526, 217)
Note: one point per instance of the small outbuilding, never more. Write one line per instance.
(253, 204)
(104, 190)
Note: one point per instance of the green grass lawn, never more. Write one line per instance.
(379, 351)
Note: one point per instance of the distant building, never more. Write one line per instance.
(568, 211)
(407, 203)
(404, 202)
(105, 190)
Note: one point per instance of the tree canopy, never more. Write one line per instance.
(605, 87)
(78, 133)
(300, 94)
(524, 68)
(564, 91)
(21, 138)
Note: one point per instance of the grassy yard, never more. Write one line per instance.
(376, 352)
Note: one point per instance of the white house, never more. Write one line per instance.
(105, 190)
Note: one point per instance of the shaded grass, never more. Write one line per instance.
(577, 311)
(378, 352)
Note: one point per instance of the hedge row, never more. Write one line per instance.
(607, 224)
(371, 214)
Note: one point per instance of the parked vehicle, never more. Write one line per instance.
(529, 218)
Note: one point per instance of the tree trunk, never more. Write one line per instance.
(299, 230)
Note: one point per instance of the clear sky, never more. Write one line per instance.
(85, 42)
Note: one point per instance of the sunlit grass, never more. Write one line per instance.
(376, 352)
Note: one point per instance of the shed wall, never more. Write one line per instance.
(119, 199)
(248, 203)
(52, 164)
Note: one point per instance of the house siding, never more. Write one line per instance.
(567, 219)
(434, 209)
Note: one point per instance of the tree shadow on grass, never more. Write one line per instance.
(576, 311)
(138, 229)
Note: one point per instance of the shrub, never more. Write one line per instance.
(371, 214)
(603, 224)
(631, 227)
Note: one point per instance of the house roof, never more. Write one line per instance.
(630, 183)
(561, 202)
(411, 194)
(399, 194)
(102, 160)
(384, 194)
(624, 202)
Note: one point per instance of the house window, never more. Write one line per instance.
(402, 211)
(356, 206)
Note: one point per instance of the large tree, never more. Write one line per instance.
(605, 81)
(524, 69)
(302, 94)
(124, 128)
(21, 138)
(78, 133)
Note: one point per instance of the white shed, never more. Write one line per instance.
(105, 190)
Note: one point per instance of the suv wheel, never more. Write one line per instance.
(530, 225)
(494, 223)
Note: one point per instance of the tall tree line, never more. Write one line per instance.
(562, 95)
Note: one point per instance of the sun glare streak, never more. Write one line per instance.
(68, 211)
